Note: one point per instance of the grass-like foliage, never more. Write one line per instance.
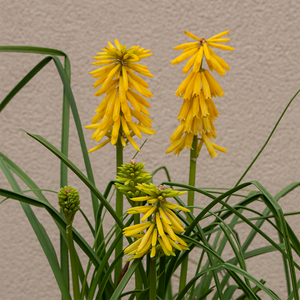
(215, 277)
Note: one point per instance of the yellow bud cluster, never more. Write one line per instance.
(198, 111)
(117, 80)
(161, 234)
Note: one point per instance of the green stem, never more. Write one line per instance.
(190, 202)
(152, 279)
(119, 212)
(64, 256)
(138, 277)
(73, 259)
(192, 175)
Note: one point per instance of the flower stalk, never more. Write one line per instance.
(73, 258)
(68, 200)
(119, 212)
(191, 196)
(152, 279)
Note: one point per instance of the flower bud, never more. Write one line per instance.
(68, 201)
(131, 174)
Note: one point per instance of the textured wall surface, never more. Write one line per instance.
(263, 78)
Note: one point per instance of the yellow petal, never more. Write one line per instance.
(219, 35)
(192, 36)
(223, 47)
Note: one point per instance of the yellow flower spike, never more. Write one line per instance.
(159, 224)
(117, 63)
(154, 237)
(204, 113)
(147, 237)
(149, 213)
(160, 234)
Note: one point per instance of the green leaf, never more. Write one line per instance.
(41, 235)
(125, 279)
(84, 179)
(57, 217)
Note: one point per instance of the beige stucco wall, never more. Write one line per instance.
(263, 78)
